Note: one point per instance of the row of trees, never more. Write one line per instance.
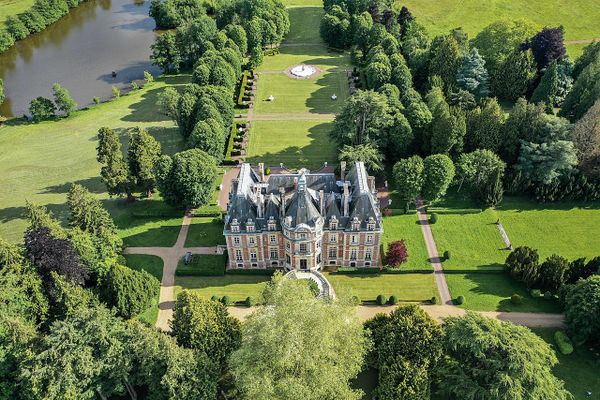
(42, 108)
(41, 14)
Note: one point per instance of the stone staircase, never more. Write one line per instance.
(325, 289)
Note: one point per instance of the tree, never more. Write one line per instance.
(445, 60)
(16, 28)
(585, 92)
(127, 291)
(266, 367)
(10, 254)
(167, 102)
(579, 269)
(590, 54)
(553, 272)
(16, 340)
(114, 172)
(362, 118)
(88, 214)
(166, 53)
(546, 162)
(485, 126)
(2, 96)
(448, 126)
(50, 254)
(40, 217)
(417, 113)
(188, 179)
(238, 35)
(548, 46)
(547, 89)
(205, 326)
(525, 122)
(500, 39)
(472, 75)
(67, 300)
(63, 100)
(586, 139)
(367, 153)
(208, 136)
(520, 260)
(42, 108)
(396, 253)
(493, 191)
(515, 76)
(334, 30)
(377, 74)
(22, 295)
(437, 175)
(582, 306)
(478, 170)
(408, 175)
(497, 360)
(6, 41)
(407, 346)
(143, 154)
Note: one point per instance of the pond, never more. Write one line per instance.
(80, 51)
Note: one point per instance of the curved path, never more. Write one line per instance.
(170, 257)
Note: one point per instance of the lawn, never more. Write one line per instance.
(414, 287)
(491, 292)
(579, 17)
(297, 144)
(154, 266)
(579, 370)
(13, 7)
(405, 227)
(38, 162)
(205, 231)
(237, 287)
(202, 265)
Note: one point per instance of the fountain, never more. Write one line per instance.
(303, 71)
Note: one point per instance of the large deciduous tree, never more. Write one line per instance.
(582, 307)
(489, 359)
(408, 176)
(209, 136)
(367, 153)
(547, 46)
(437, 175)
(478, 171)
(586, 138)
(63, 100)
(446, 59)
(316, 332)
(42, 108)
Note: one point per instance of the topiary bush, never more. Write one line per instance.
(356, 300)
(446, 255)
(381, 300)
(250, 301)
(268, 171)
(215, 298)
(433, 218)
(535, 293)
(226, 300)
(516, 299)
(548, 295)
(433, 300)
(393, 300)
(564, 344)
(459, 300)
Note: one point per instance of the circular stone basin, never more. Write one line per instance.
(303, 71)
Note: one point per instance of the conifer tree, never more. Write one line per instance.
(515, 75)
(144, 152)
(548, 87)
(473, 76)
(114, 171)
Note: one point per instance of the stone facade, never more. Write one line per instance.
(303, 220)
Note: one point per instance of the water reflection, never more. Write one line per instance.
(80, 51)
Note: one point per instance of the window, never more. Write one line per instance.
(273, 239)
(368, 255)
(332, 252)
(274, 264)
(251, 240)
(287, 258)
(369, 239)
(235, 225)
(253, 255)
(254, 265)
(367, 264)
(333, 223)
(287, 245)
(240, 265)
(271, 224)
(353, 254)
(371, 224)
(302, 236)
(274, 254)
(319, 258)
(238, 255)
(354, 239)
(353, 264)
(303, 247)
(250, 225)
(332, 238)
(355, 224)
(236, 240)
(303, 264)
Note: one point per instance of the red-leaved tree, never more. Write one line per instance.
(396, 253)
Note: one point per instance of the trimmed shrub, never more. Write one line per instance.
(396, 253)
(516, 299)
(381, 300)
(250, 301)
(564, 344)
(267, 272)
(393, 300)
(446, 255)
(433, 218)
(535, 293)
(459, 300)
(356, 300)
(268, 171)
(215, 298)
(226, 300)
(548, 295)
(353, 270)
(433, 300)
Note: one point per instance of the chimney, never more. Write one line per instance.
(342, 170)
(260, 205)
(234, 185)
(322, 202)
(371, 183)
(346, 199)
(295, 183)
(281, 201)
(261, 171)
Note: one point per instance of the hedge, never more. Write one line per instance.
(454, 210)
(230, 143)
(243, 271)
(240, 99)
(202, 265)
(565, 346)
(358, 270)
(459, 300)
(217, 212)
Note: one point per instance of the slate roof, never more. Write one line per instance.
(301, 193)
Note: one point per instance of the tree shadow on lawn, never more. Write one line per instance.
(521, 204)
(169, 138)
(320, 100)
(93, 184)
(146, 110)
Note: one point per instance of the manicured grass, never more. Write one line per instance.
(415, 287)
(40, 161)
(296, 144)
(302, 3)
(151, 264)
(301, 95)
(205, 231)
(579, 17)
(492, 291)
(570, 230)
(237, 287)
(579, 370)
(202, 265)
(154, 266)
(148, 232)
(13, 7)
(405, 227)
